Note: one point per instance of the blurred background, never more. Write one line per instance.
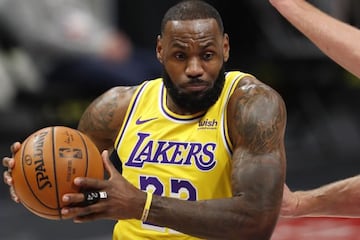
(57, 56)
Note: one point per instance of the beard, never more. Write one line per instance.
(195, 102)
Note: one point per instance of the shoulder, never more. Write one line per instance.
(255, 108)
(123, 93)
(115, 100)
(104, 116)
(249, 87)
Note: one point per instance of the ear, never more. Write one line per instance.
(159, 49)
(226, 47)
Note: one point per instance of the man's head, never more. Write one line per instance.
(193, 49)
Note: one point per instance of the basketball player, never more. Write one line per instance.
(202, 149)
(340, 42)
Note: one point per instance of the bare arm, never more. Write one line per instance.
(338, 40)
(336, 199)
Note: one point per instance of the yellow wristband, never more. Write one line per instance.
(147, 206)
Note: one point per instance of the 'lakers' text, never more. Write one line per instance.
(149, 151)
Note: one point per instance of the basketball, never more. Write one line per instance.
(46, 165)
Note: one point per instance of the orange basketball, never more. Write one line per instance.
(46, 165)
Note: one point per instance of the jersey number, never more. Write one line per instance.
(179, 188)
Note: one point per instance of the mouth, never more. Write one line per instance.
(196, 87)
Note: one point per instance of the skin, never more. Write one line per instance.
(340, 41)
(337, 199)
(257, 119)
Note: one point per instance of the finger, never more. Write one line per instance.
(85, 198)
(7, 178)
(8, 162)
(13, 195)
(72, 212)
(15, 147)
(89, 183)
(94, 212)
(81, 211)
(109, 166)
(73, 198)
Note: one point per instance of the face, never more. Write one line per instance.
(193, 54)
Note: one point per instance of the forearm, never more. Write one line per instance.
(340, 41)
(214, 219)
(341, 198)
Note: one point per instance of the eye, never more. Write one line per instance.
(180, 56)
(208, 56)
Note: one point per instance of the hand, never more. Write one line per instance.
(124, 201)
(289, 204)
(9, 163)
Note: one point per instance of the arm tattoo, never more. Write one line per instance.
(103, 118)
(99, 115)
(260, 119)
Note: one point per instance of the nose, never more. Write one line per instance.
(194, 67)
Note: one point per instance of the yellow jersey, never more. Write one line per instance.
(180, 156)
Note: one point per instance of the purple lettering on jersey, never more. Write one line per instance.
(171, 152)
(137, 162)
(194, 151)
(161, 152)
(203, 158)
(205, 161)
(179, 149)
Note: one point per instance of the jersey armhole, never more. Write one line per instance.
(132, 105)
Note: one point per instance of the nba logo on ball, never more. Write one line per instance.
(46, 165)
(70, 153)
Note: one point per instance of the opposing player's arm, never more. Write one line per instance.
(256, 124)
(103, 118)
(339, 40)
(337, 199)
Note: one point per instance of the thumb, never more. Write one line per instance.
(109, 167)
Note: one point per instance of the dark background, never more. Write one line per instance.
(323, 131)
